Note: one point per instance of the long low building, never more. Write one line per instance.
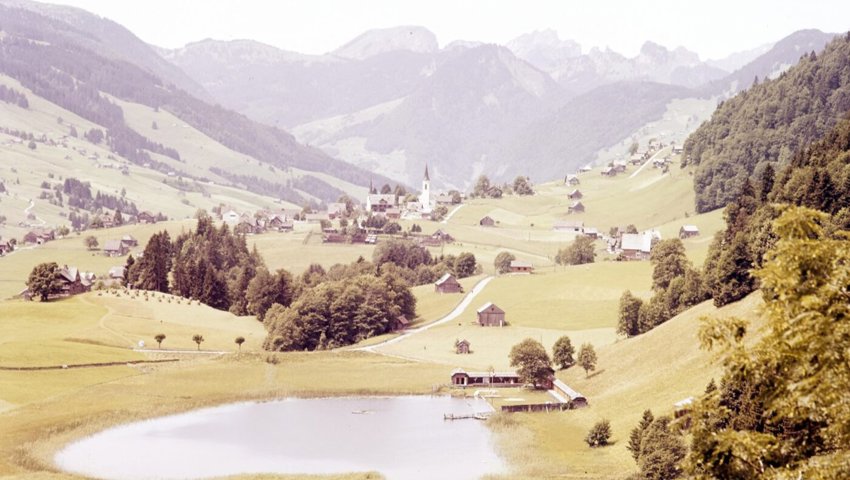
(461, 377)
(576, 399)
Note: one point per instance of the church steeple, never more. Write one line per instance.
(427, 177)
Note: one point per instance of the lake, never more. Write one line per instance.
(400, 437)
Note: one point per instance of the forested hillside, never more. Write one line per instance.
(817, 177)
(768, 123)
(34, 50)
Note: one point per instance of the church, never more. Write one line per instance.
(426, 203)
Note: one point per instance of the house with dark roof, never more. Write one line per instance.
(487, 222)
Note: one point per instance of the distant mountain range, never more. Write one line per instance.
(391, 100)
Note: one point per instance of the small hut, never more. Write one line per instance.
(462, 347)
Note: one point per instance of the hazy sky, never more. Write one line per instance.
(712, 28)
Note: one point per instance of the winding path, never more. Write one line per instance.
(456, 312)
(634, 174)
(454, 210)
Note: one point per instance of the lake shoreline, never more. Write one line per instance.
(465, 449)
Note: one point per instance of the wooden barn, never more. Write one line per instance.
(575, 194)
(688, 231)
(576, 207)
(447, 284)
(489, 315)
(400, 323)
(461, 377)
(487, 222)
(572, 180)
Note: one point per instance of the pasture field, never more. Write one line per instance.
(579, 301)
(653, 371)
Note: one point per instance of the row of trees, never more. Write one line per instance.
(484, 188)
(534, 366)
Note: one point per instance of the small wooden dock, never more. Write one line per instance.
(465, 416)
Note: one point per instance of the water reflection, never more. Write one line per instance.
(400, 437)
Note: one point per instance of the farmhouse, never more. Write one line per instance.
(576, 207)
(636, 159)
(487, 222)
(447, 284)
(145, 217)
(116, 272)
(521, 266)
(38, 237)
(619, 167)
(572, 180)
(489, 315)
(688, 231)
(244, 227)
(336, 210)
(637, 246)
(462, 347)
(115, 248)
(73, 281)
(380, 202)
(575, 195)
(393, 213)
(591, 232)
(461, 377)
(568, 226)
(445, 200)
(230, 217)
(609, 172)
(442, 236)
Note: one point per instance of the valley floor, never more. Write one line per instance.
(40, 411)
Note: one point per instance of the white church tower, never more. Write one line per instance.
(425, 196)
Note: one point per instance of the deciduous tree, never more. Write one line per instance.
(587, 358)
(563, 352)
(531, 361)
(44, 280)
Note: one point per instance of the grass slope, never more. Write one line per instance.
(652, 371)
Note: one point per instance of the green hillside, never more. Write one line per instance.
(769, 123)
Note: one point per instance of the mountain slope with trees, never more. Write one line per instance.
(768, 123)
(36, 51)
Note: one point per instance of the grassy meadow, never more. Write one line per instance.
(42, 410)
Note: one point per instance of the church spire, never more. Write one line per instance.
(426, 173)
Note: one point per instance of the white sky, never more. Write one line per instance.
(712, 28)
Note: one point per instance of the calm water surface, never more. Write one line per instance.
(401, 437)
